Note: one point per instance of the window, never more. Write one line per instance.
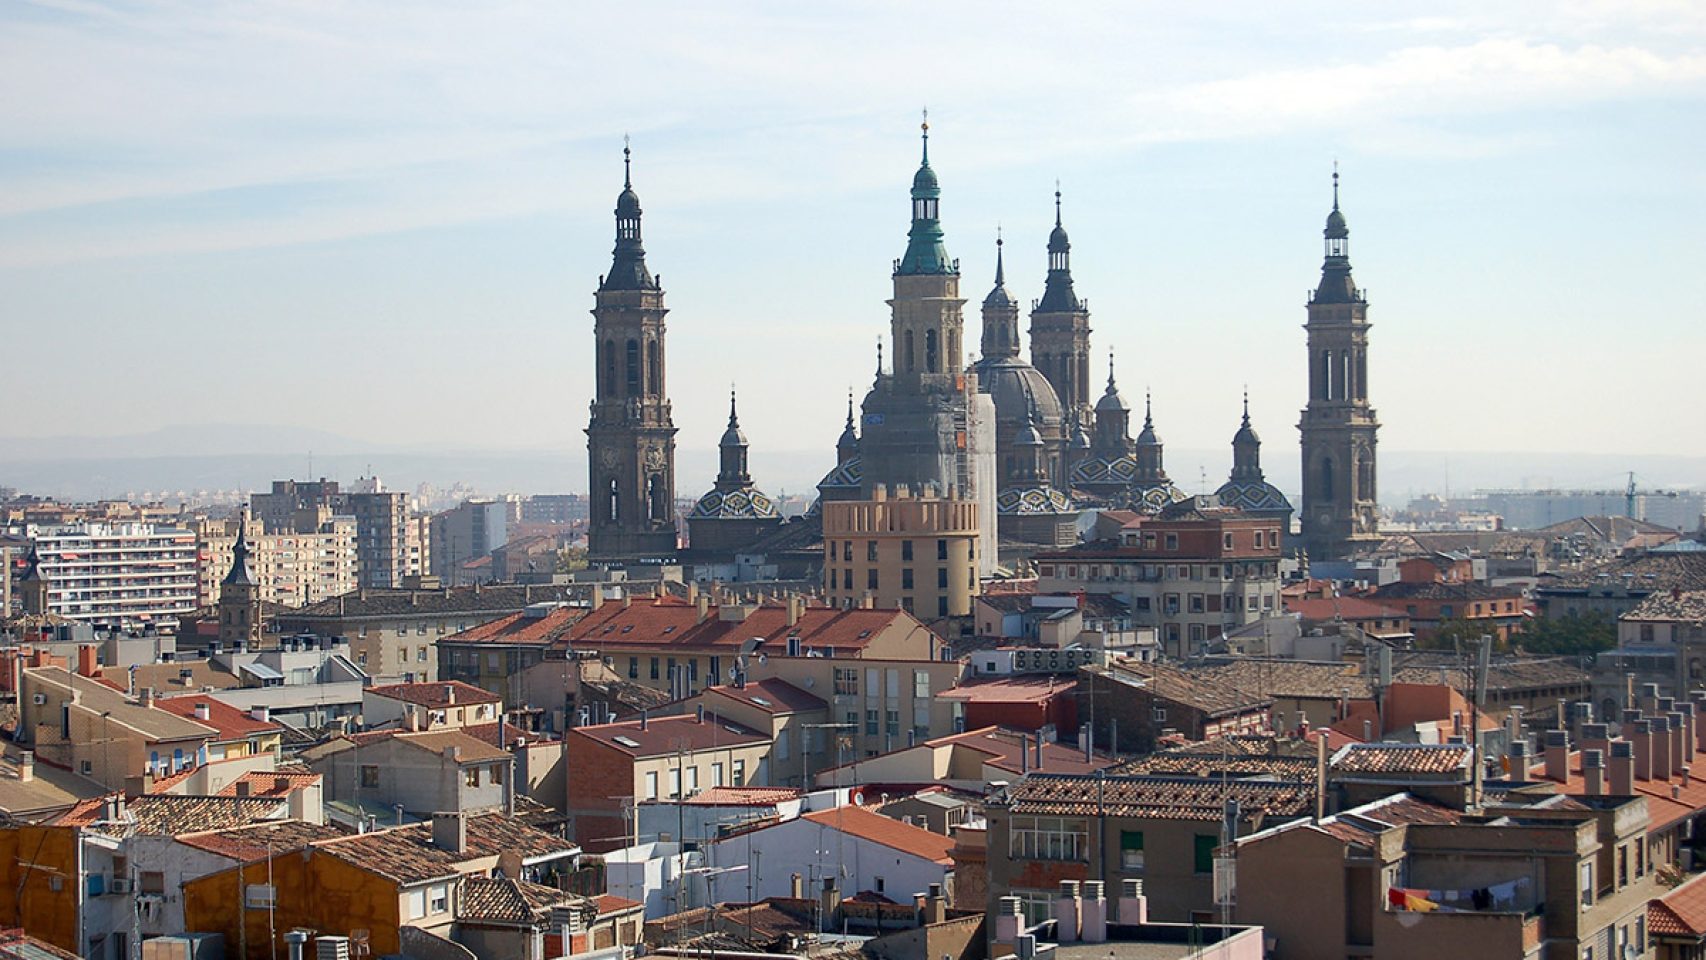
(439, 899)
(1172, 541)
(870, 551)
(892, 690)
(871, 579)
(892, 723)
(417, 904)
(847, 551)
(1587, 883)
(473, 776)
(941, 578)
(654, 668)
(1226, 541)
(1047, 838)
(1196, 603)
(941, 549)
(420, 654)
(739, 774)
(906, 578)
(88, 768)
(633, 668)
(1205, 844)
(846, 681)
(871, 721)
(369, 776)
(675, 784)
(906, 550)
(717, 774)
(921, 684)
(152, 882)
(651, 785)
(1131, 850)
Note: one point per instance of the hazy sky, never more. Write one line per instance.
(388, 219)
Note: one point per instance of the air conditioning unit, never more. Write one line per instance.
(118, 886)
(40, 699)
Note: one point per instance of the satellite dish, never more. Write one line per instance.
(734, 673)
(763, 658)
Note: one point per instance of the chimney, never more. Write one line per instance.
(450, 694)
(642, 719)
(627, 599)
(27, 766)
(1641, 741)
(1134, 906)
(1649, 697)
(1678, 740)
(793, 610)
(1513, 724)
(1320, 779)
(1066, 917)
(1009, 920)
(1660, 746)
(935, 905)
(1622, 768)
(1597, 736)
(1557, 756)
(453, 753)
(1593, 772)
(1516, 755)
(296, 938)
(259, 713)
(796, 887)
(145, 696)
(1093, 916)
(88, 660)
(597, 596)
(450, 832)
(700, 711)
(1690, 743)
(702, 606)
(829, 904)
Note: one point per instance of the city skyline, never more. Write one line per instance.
(398, 240)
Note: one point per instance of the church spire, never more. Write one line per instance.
(1246, 448)
(1000, 314)
(1058, 295)
(240, 573)
(1336, 283)
(847, 447)
(733, 450)
(925, 251)
(628, 263)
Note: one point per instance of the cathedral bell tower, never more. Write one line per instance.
(631, 437)
(1338, 425)
(1060, 329)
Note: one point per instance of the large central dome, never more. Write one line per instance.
(1021, 393)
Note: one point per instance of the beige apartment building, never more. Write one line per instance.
(313, 560)
(918, 553)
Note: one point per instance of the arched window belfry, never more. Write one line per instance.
(613, 502)
(911, 363)
(633, 368)
(654, 385)
(931, 359)
(1326, 374)
(659, 501)
(1347, 387)
(1362, 375)
(607, 383)
(1327, 480)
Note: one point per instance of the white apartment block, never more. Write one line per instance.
(118, 573)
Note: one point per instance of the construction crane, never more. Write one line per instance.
(1629, 497)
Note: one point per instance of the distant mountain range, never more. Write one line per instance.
(224, 457)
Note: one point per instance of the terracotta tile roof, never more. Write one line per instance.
(668, 623)
(167, 815)
(512, 901)
(1402, 760)
(259, 841)
(1688, 606)
(502, 734)
(1160, 798)
(406, 855)
(1004, 746)
(271, 785)
(426, 603)
(167, 679)
(445, 693)
(608, 904)
(1438, 590)
(744, 796)
(1025, 688)
(1292, 679)
(1663, 808)
(1345, 608)
(1681, 912)
(522, 628)
(1192, 688)
(1298, 769)
(774, 696)
(152, 722)
(15, 944)
(859, 822)
(232, 723)
(1361, 825)
(1645, 573)
(471, 749)
(664, 735)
